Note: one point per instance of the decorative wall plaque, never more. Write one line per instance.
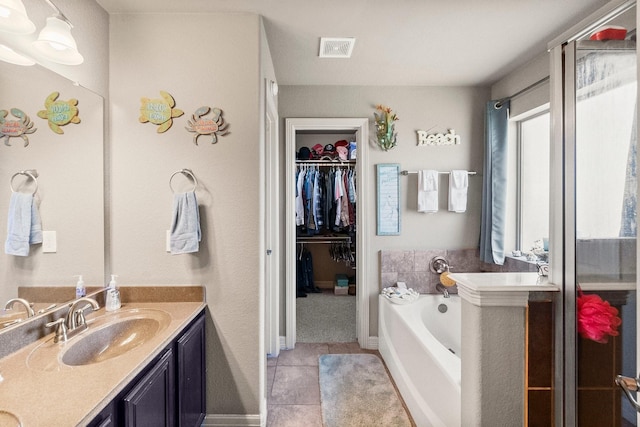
(15, 128)
(388, 175)
(59, 113)
(159, 111)
(201, 125)
(449, 138)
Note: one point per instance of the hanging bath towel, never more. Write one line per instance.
(23, 226)
(428, 191)
(185, 224)
(458, 184)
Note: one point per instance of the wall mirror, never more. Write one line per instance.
(69, 192)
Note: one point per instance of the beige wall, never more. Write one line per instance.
(201, 59)
(419, 108)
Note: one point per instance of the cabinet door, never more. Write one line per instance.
(151, 401)
(191, 375)
(106, 418)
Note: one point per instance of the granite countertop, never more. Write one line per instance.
(61, 395)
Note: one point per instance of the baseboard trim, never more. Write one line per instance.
(372, 343)
(233, 420)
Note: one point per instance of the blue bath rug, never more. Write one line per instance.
(356, 391)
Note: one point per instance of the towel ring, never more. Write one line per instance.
(184, 172)
(30, 173)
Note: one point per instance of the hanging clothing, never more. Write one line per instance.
(325, 200)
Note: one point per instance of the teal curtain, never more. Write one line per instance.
(494, 183)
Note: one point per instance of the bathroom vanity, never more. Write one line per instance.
(170, 390)
(141, 365)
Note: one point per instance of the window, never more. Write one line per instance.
(532, 221)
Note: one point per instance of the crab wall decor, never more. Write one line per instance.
(59, 112)
(159, 111)
(15, 128)
(200, 125)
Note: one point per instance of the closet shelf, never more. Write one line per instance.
(322, 239)
(326, 162)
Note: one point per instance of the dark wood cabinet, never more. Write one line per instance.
(106, 418)
(151, 401)
(191, 368)
(169, 392)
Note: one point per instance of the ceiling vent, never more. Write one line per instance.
(336, 47)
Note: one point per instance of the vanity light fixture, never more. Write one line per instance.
(56, 43)
(9, 55)
(14, 19)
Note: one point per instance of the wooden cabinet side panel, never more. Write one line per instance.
(191, 376)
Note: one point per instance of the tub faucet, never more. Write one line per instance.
(27, 306)
(440, 287)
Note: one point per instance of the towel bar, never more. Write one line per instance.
(441, 173)
(31, 173)
(184, 172)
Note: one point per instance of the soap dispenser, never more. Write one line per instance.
(81, 291)
(113, 295)
(112, 282)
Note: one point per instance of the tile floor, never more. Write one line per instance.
(293, 386)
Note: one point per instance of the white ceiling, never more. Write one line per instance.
(401, 42)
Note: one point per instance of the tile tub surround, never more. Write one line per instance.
(412, 267)
(86, 388)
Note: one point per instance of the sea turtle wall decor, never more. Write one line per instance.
(59, 112)
(15, 128)
(159, 111)
(201, 125)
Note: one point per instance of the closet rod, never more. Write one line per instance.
(441, 173)
(307, 163)
(323, 239)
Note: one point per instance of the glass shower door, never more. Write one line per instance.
(605, 228)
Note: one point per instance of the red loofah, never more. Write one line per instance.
(597, 319)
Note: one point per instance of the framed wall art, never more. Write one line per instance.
(388, 199)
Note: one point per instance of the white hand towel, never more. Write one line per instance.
(185, 224)
(458, 184)
(23, 225)
(428, 191)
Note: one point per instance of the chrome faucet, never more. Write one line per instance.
(75, 316)
(440, 287)
(74, 320)
(27, 306)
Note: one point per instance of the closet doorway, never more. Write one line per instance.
(344, 245)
